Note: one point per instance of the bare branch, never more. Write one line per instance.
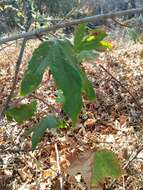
(8, 45)
(40, 31)
(17, 67)
(131, 159)
(125, 88)
(119, 23)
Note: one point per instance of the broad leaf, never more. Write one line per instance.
(63, 65)
(21, 112)
(105, 164)
(87, 87)
(59, 56)
(36, 67)
(39, 130)
(86, 55)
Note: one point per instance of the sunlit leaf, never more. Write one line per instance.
(106, 44)
(91, 42)
(40, 128)
(21, 112)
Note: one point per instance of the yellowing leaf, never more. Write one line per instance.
(90, 38)
(106, 44)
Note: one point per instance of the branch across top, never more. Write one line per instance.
(40, 31)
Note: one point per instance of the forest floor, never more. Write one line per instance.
(114, 121)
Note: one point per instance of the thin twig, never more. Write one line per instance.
(17, 67)
(125, 88)
(6, 46)
(119, 23)
(59, 168)
(7, 55)
(34, 33)
(67, 16)
(52, 108)
(131, 159)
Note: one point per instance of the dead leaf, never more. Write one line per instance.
(82, 164)
(90, 123)
(123, 120)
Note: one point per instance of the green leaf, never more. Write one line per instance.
(87, 87)
(22, 112)
(105, 164)
(59, 56)
(87, 55)
(36, 67)
(40, 128)
(79, 34)
(92, 41)
(63, 66)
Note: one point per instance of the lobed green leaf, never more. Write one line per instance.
(59, 56)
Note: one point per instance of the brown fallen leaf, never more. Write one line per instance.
(82, 164)
(90, 123)
(123, 120)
